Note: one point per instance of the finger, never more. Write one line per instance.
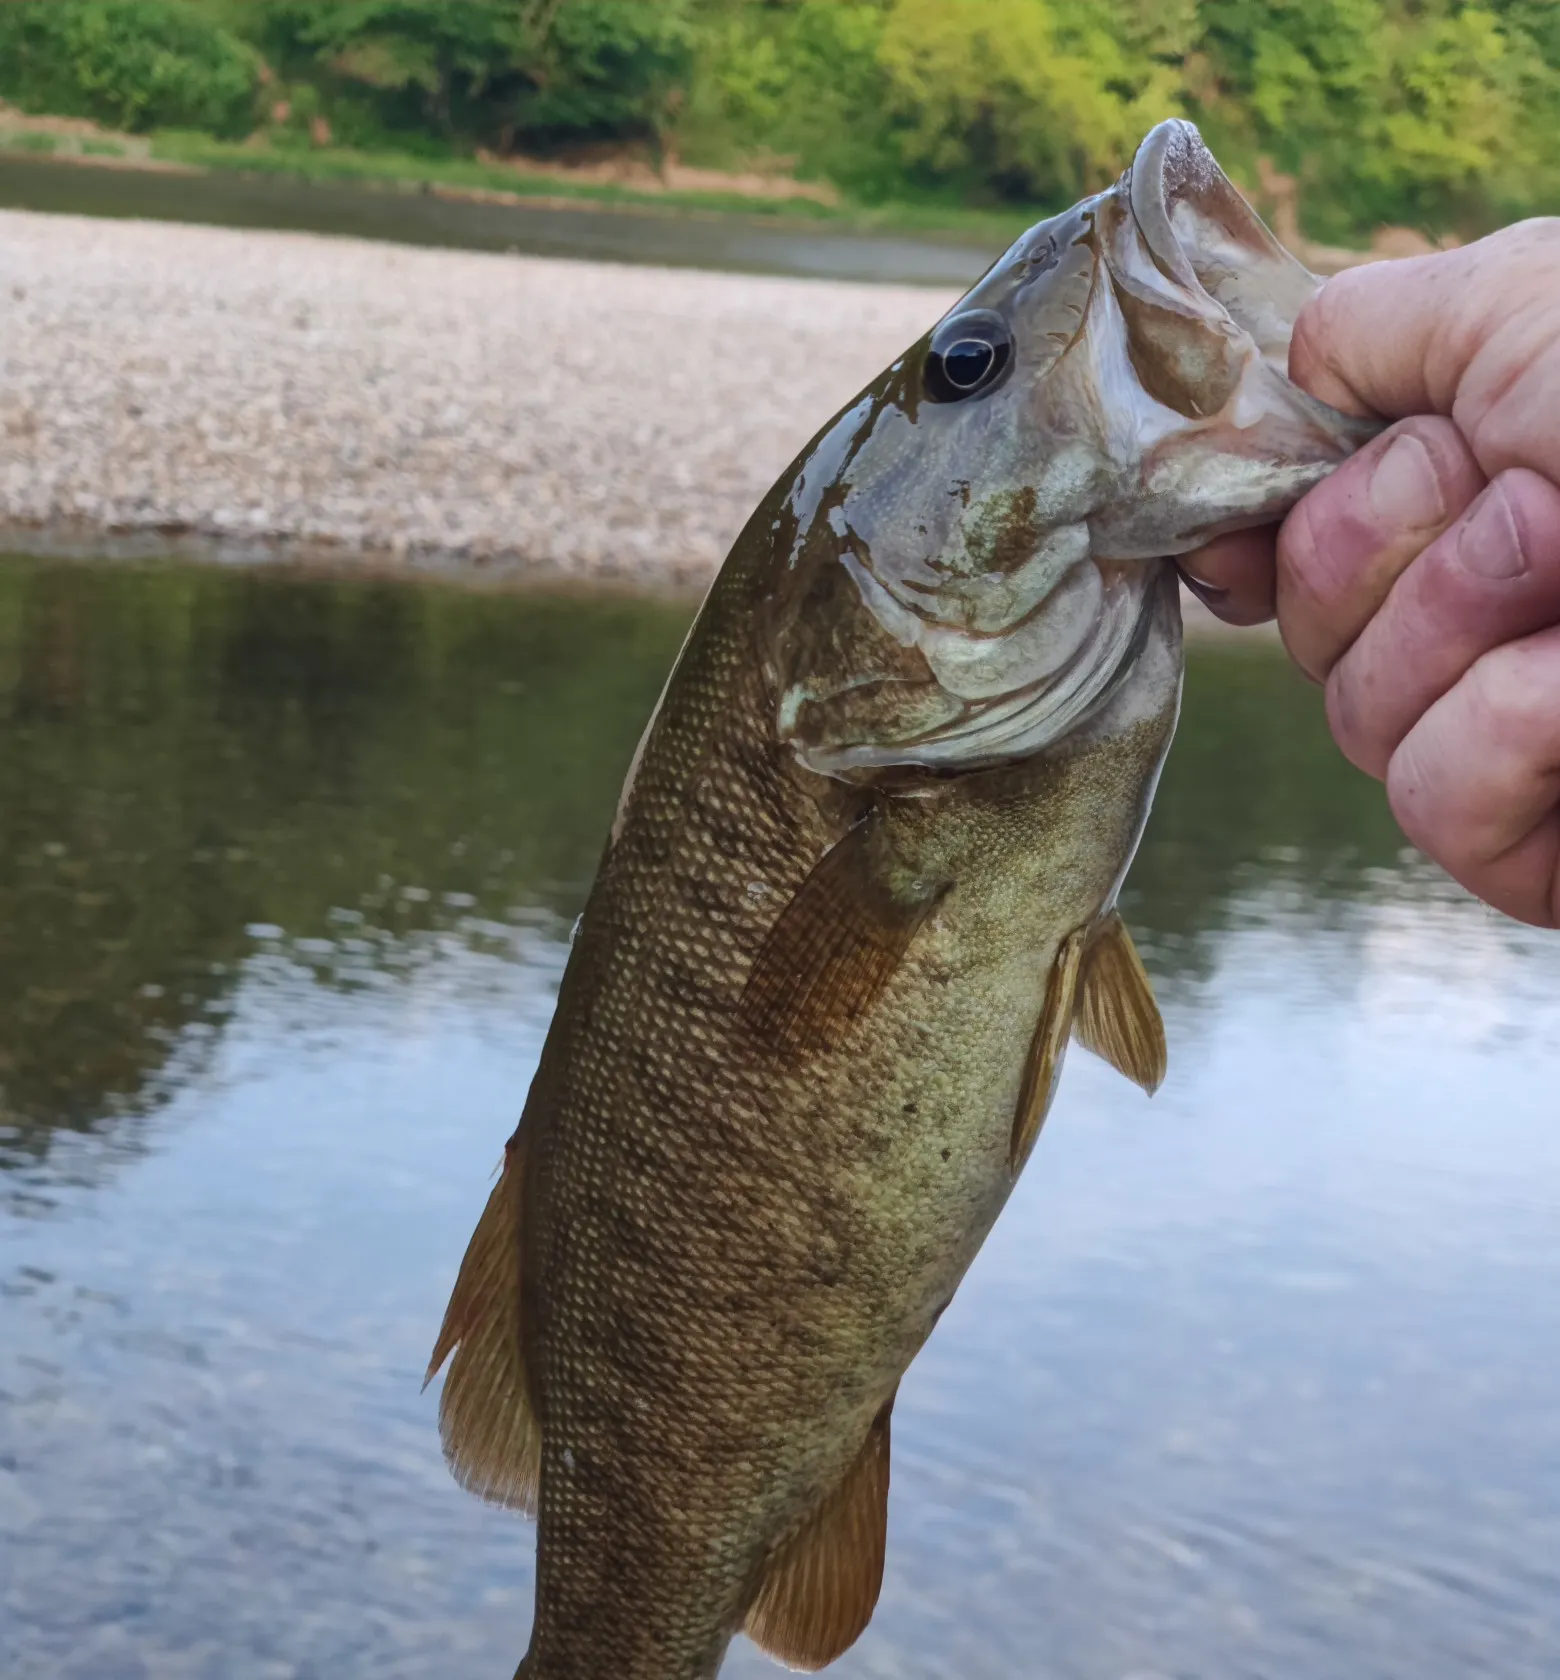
(1233, 576)
(1344, 546)
(1492, 578)
(1476, 782)
(1469, 333)
(1372, 340)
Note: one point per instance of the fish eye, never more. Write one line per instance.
(966, 362)
(967, 355)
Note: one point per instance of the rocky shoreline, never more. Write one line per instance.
(288, 392)
(243, 395)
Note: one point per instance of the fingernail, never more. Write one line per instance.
(1208, 593)
(1489, 542)
(1405, 489)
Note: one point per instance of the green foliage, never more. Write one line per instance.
(1419, 111)
(1040, 99)
(1534, 23)
(132, 64)
(1437, 113)
(397, 43)
(604, 67)
(803, 82)
(1431, 112)
(489, 71)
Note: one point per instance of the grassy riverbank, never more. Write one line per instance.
(462, 177)
(479, 181)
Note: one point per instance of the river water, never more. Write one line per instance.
(776, 244)
(1257, 1380)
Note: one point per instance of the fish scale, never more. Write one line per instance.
(847, 919)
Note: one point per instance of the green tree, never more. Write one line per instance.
(1533, 24)
(489, 70)
(132, 64)
(604, 67)
(1036, 98)
(1425, 111)
(1434, 112)
(802, 80)
(442, 50)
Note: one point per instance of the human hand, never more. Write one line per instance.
(1421, 581)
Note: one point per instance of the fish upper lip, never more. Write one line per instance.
(1167, 159)
(1173, 167)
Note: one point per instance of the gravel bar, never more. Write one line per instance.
(304, 394)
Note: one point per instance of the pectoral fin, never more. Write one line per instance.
(833, 949)
(1117, 1017)
(491, 1437)
(820, 1589)
(1047, 1047)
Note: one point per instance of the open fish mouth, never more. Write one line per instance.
(1203, 301)
(1206, 239)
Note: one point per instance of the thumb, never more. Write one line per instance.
(1472, 333)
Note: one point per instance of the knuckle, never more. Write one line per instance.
(1504, 399)
(1521, 255)
(1514, 693)
(1539, 234)
(1426, 795)
(1299, 554)
(1306, 593)
(1349, 722)
(1408, 779)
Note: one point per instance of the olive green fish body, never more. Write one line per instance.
(735, 1253)
(859, 892)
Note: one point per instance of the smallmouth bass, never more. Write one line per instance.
(858, 895)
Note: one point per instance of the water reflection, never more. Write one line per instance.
(1257, 1380)
(188, 755)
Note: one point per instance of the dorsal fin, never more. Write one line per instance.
(820, 1589)
(832, 950)
(488, 1425)
(1047, 1048)
(1117, 1017)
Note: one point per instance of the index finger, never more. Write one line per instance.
(1233, 575)
(1344, 547)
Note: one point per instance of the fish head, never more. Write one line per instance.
(976, 549)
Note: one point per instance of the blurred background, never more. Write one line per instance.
(1347, 115)
(380, 382)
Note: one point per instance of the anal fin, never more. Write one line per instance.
(1117, 1017)
(833, 949)
(820, 1589)
(486, 1420)
(1047, 1047)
